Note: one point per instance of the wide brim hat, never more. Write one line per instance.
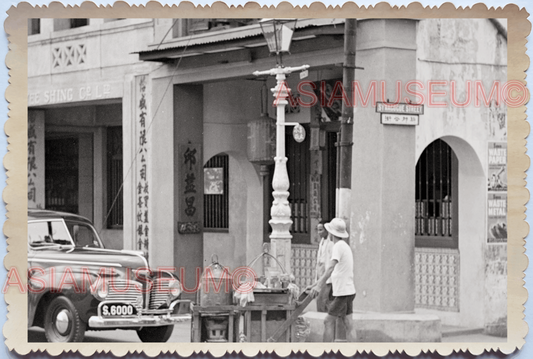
(337, 227)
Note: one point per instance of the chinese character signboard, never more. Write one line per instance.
(398, 119)
(190, 188)
(142, 190)
(36, 159)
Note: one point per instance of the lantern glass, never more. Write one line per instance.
(278, 33)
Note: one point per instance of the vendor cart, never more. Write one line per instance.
(270, 317)
(258, 322)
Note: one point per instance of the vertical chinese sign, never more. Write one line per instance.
(497, 193)
(142, 190)
(190, 188)
(36, 195)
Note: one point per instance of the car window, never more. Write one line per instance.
(83, 235)
(51, 232)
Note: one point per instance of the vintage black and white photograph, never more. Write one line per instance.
(265, 180)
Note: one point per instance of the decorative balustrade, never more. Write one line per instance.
(68, 56)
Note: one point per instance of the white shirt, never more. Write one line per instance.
(323, 258)
(342, 276)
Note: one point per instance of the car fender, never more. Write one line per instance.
(74, 283)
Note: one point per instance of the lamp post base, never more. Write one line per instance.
(281, 249)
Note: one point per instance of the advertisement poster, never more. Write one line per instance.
(497, 218)
(213, 181)
(497, 170)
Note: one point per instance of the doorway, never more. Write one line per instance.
(62, 174)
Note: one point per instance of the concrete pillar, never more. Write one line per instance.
(160, 126)
(188, 183)
(99, 178)
(129, 141)
(47, 26)
(383, 177)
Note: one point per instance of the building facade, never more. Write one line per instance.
(157, 130)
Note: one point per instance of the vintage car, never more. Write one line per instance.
(75, 284)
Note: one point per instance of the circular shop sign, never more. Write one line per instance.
(298, 133)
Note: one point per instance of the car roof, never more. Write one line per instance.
(36, 214)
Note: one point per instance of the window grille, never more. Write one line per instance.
(78, 23)
(298, 165)
(64, 24)
(216, 193)
(185, 27)
(34, 26)
(115, 206)
(436, 210)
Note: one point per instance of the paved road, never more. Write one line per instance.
(181, 334)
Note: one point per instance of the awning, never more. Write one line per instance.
(239, 38)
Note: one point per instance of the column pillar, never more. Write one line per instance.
(383, 173)
(188, 184)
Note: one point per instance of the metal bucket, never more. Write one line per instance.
(216, 285)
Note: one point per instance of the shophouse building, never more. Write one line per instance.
(157, 130)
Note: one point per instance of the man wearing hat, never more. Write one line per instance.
(343, 289)
(323, 260)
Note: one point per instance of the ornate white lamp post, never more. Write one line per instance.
(278, 34)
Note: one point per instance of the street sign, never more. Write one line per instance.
(400, 108)
(399, 119)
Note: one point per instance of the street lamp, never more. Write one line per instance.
(278, 34)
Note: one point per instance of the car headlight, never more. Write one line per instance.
(101, 291)
(174, 287)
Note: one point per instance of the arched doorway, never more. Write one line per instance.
(436, 230)
(450, 225)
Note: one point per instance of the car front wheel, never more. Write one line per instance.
(62, 323)
(155, 334)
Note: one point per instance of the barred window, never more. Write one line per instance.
(298, 164)
(436, 197)
(195, 26)
(64, 24)
(34, 26)
(216, 193)
(115, 207)
(78, 23)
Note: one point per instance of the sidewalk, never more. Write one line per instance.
(451, 334)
